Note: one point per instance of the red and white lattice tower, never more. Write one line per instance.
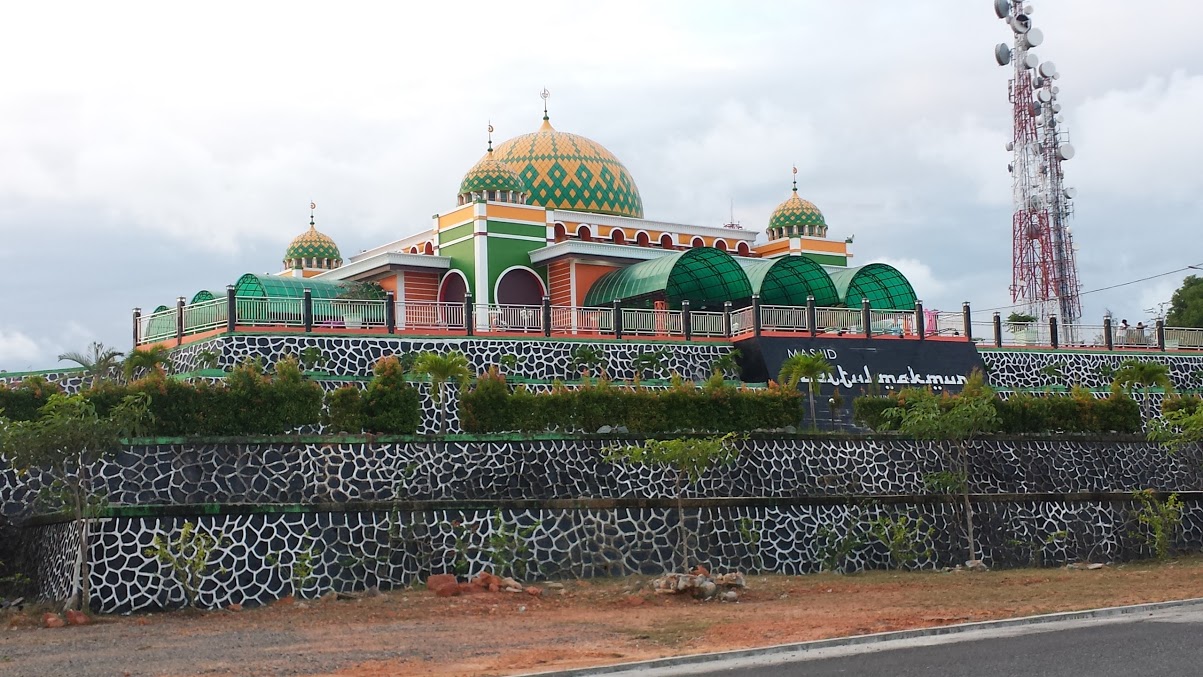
(1044, 277)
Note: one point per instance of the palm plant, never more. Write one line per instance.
(441, 368)
(99, 362)
(805, 366)
(585, 357)
(144, 360)
(1144, 376)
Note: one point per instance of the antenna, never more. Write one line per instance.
(733, 224)
(1044, 274)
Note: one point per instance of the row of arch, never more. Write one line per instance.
(585, 234)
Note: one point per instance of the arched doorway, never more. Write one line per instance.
(454, 288)
(697, 242)
(519, 287)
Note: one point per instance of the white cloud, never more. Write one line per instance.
(17, 350)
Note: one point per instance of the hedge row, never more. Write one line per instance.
(1024, 413)
(491, 406)
(246, 402)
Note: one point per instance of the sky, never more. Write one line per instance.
(149, 150)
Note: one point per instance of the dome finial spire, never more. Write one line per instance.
(312, 207)
(490, 137)
(795, 178)
(545, 95)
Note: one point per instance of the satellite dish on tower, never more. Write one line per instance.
(1065, 151)
(1020, 23)
(1002, 54)
(1048, 69)
(1056, 108)
(1044, 95)
(1002, 8)
(1030, 60)
(1071, 193)
(1010, 145)
(1034, 37)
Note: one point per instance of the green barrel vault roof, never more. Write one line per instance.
(702, 276)
(202, 295)
(788, 280)
(884, 286)
(279, 286)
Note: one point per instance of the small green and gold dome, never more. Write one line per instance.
(796, 217)
(313, 249)
(491, 175)
(569, 171)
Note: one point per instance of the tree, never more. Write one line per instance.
(689, 459)
(142, 361)
(1144, 376)
(1186, 305)
(100, 363)
(957, 421)
(805, 366)
(66, 440)
(441, 368)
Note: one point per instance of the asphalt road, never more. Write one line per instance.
(1162, 643)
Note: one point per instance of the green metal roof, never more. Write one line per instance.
(703, 276)
(279, 286)
(882, 284)
(202, 295)
(788, 280)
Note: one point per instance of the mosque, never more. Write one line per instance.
(553, 218)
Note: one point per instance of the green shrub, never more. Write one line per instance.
(21, 403)
(292, 400)
(867, 411)
(391, 406)
(1187, 404)
(486, 406)
(344, 410)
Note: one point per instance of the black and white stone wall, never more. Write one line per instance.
(1035, 369)
(338, 473)
(538, 359)
(257, 558)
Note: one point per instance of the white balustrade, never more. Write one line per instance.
(582, 321)
(641, 322)
(270, 312)
(507, 318)
(783, 318)
(741, 321)
(205, 316)
(705, 323)
(430, 316)
(838, 320)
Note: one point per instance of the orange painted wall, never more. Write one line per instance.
(421, 286)
(456, 216)
(388, 283)
(559, 278)
(586, 275)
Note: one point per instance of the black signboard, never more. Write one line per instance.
(897, 363)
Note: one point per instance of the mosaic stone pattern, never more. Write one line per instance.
(1015, 369)
(543, 360)
(353, 550)
(568, 171)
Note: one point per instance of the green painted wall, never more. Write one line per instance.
(506, 253)
(463, 259)
(455, 233)
(507, 228)
(828, 259)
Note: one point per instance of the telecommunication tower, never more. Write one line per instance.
(1044, 274)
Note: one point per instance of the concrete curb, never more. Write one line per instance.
(802, 647)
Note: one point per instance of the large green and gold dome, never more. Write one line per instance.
(489, 174)
(569, 171)
(796, 217)
(312, 249)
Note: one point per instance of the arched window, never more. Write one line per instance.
(666, 241)
(642, 239)
(428, 249)
(617, 236)
(697, 242)
(413, 250)
(720, 245)
(743, 249)
(519, 287)
(584, 234)
(560, 233)
(453, 288)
